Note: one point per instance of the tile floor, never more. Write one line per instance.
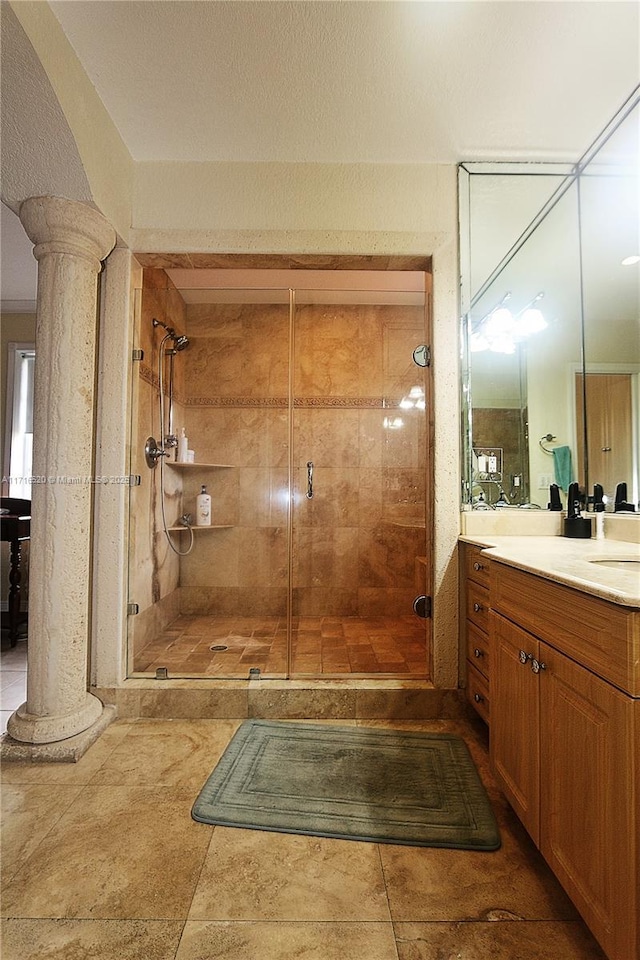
(101, 859)
(13, 678)
(321, 646)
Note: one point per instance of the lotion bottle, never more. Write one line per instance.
(183, 448)
(203, 508)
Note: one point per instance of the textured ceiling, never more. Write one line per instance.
(345, 82)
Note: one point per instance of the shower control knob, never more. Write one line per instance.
(153, 452)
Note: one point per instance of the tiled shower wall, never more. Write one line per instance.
(355, 543)
(237, 414)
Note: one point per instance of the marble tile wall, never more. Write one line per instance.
(354, 544)
(505, 423)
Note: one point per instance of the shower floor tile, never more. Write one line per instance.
(321, 646)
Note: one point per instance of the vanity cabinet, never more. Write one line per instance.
(565, 741)
(475, 587)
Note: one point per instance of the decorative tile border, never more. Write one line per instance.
(344, 403)
(366, 403)
(148, 375)
(280, 402)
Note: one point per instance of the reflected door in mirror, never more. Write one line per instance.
(609, 429)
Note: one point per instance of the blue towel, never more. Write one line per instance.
(562, 467)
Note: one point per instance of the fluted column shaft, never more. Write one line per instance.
(70, 242)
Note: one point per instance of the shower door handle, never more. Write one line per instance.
(310, 480)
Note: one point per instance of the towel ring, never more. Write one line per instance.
(548, 438)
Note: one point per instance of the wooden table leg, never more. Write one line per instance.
(14, 591)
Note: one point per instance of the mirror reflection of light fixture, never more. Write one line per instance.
(530, 319)
(415, 398)
(393, 423)
(629, 261)
(500, 330)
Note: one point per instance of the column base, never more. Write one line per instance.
(60, 751)
(33, 728)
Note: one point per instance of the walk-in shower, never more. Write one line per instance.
(308, 413)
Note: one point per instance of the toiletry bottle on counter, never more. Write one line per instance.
(183, 448)
(203, 508)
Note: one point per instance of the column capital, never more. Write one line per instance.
(57, 225)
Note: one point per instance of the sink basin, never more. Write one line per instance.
(620, 563)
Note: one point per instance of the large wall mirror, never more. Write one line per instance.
(551, 325)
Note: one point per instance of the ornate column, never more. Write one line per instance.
(70, 241)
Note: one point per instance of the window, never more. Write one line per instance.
(19, 432)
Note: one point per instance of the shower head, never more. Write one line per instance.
(180, 342)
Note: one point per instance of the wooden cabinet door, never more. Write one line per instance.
(515, 720)
(587, 830)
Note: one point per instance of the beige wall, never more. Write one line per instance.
(106, 161)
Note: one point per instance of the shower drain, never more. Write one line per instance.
(218, 646)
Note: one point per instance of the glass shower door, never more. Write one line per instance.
(359, 464)
(213, 600)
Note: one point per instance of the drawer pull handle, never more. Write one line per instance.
(478, 566)
(537, 666)
(477, 607)
(478, 698)
(525, 657)
(478, 652)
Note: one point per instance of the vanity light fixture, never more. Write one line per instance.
(629, 261)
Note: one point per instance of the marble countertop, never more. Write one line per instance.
(569, 562)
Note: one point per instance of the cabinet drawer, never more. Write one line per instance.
(477, 602)
(476, 566)
(478, 692)
(478, 649)
(604, 637)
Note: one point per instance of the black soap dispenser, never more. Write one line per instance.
(575, 525)
(554, 498)
(621, 505)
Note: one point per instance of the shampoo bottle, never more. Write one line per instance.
(183, 448)
(203, 508)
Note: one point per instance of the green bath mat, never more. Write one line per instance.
(350, 783)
